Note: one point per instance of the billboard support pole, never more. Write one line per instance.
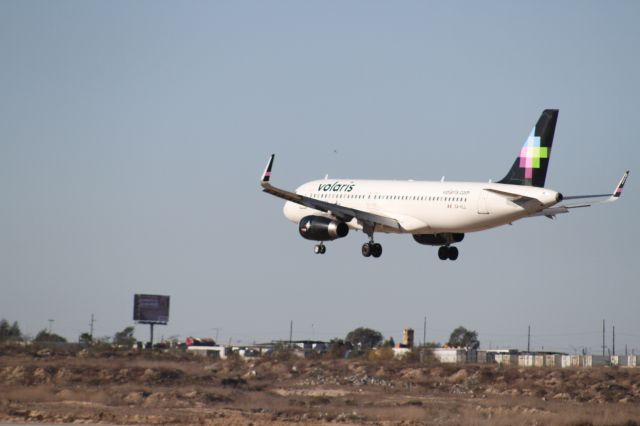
(151, 327)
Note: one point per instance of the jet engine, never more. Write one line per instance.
(319, 228)
(438, 239)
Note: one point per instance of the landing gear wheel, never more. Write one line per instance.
(366, 249)
(443, 253)
(319, 249)
(323, 249)
(453, 253)
(376, 250)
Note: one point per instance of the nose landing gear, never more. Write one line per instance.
(319, 248)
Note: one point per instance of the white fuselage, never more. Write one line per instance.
(423, 207)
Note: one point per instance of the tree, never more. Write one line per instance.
(338, 348)
(364, 338)
(45, 337)
(4, 330)
(86, 339)
(463, 338)
(14, 332)
(124, 337)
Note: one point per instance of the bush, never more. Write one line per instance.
(337, 349)
(45, 337)
(381, 354)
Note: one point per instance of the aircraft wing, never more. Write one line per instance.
(343, 213)
(565, 207)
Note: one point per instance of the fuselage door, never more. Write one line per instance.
(482, 202)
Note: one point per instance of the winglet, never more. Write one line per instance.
(267, 171)
(618, 191)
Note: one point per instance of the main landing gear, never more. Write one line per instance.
(448, 252)
(368, 249)
(371, 249)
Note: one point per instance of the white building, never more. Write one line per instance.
(455, 355)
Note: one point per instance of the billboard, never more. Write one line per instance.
(151, 308)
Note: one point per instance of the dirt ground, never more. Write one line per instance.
(131, 388)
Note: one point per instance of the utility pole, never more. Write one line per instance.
(51, 325)
(625, 350)
(91, 327)
(529, 339)
(613, 346)
(290, 333)
(424, 332)
(603, 338)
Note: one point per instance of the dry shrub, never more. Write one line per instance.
(31, 394)
(380, 354)
(410, 357)
(319, 400)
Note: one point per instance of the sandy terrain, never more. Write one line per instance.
(129, 388)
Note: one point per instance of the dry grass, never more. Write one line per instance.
(140, 389)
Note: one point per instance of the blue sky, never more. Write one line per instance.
(132, 137)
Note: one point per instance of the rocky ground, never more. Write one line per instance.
(130, 388)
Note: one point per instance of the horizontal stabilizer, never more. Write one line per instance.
(617, 193)
(565, 207)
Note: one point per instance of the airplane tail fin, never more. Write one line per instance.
(530, 168)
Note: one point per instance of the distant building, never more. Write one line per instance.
(209, 351)
(399, 352)
(407, 338)
(455, 355)
(304, 348)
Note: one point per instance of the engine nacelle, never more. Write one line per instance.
(438, 239)
(319, 228)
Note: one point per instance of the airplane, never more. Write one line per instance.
(436, 213)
